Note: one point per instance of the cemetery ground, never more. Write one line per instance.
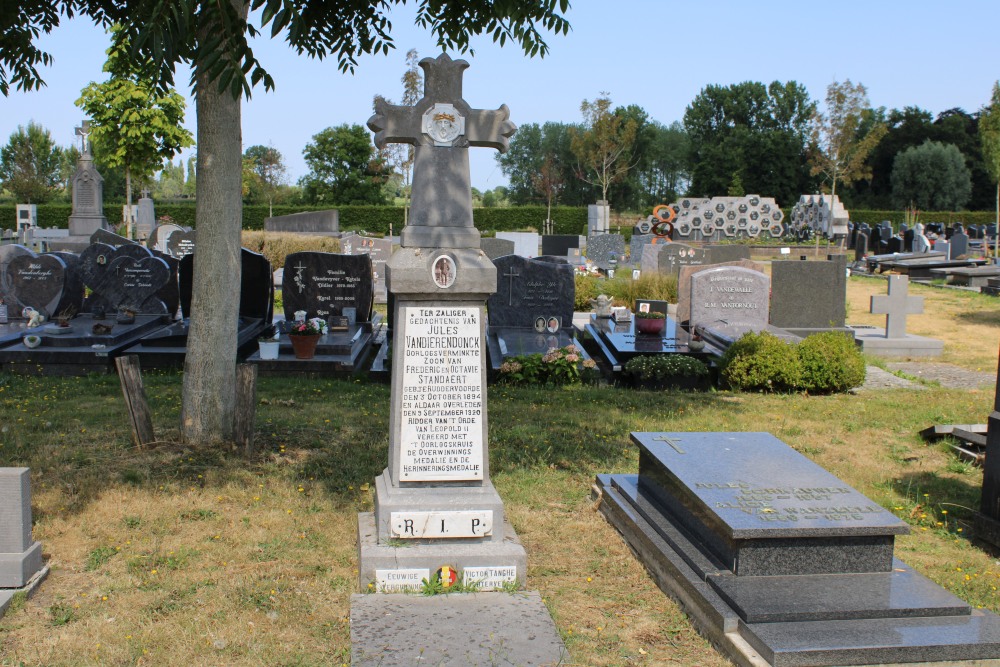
(170, 554)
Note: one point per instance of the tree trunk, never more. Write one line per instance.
(128, 201)
(209, 395)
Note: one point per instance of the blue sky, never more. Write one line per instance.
(656, 54)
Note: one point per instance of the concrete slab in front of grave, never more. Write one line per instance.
(462, 629)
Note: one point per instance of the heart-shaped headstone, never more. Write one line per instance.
(129, 283)
(36, 281)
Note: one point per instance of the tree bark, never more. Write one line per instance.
(209, 395)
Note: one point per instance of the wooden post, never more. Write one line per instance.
(135, 399)
(246, 407)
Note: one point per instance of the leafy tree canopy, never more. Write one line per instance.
(31, 164)
(932, 176)
(343, 167)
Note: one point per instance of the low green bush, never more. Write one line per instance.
(822, 363)
(559, 366)
(831, 362)
(761, 362)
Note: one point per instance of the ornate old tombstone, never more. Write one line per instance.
(88, 191)
(436, 510)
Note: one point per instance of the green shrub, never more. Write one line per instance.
(831, 362)
(761, 362)
(587, 288)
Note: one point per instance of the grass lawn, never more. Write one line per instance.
(174, 554)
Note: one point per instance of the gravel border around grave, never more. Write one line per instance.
(878, 378)
(947, 375)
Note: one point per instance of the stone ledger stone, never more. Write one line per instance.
(20, 555)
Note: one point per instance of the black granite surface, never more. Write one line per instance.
(528, 289)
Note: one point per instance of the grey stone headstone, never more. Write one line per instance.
(22, 556)
(809, 295)
(379, 249)
(146, 218)
(860, 246)
(307, 222)
(323, 284)
(959, 244)
(88, 198)
(896, 305)
(673, 256)
(157, 239)
(602, 247)
(528, 289)
(943, 246)
(496, 247)
(684, 283)
(525, 243)
(732, 295)
(598, 218)
(720, 254)
(636, 245)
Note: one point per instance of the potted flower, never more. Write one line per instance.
(268, 347)
(304, 335)
(660, 371)
(650, 322)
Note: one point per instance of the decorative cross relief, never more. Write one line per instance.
(441, 126)
(896, 305)
(670, 441)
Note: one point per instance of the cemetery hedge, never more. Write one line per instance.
(373, 219)
(823, 363)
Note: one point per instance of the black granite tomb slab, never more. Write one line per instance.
(559, 244)
(888, 616)
(322, 284)
(722, 486)
(341, 353)
(73, 287)
(504, 343)
(529, 289)
(920, 268)
(167, 347)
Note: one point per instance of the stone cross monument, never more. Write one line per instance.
(437, 514)
(88, 191)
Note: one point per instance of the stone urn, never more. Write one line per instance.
(304, 345)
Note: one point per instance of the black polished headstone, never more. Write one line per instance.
(895, 244)
(908, 235)
(36, 281)
(323, 284)
(256, 285)
(860, 246)
(529, 289)
(127, 277)
(559, 244)
(73, 287)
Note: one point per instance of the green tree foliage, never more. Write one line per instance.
(661, 174)
(989, 136)
(138, 124)
(343, 168)
(844, 136)
(931, 176)
(263, 174)
(31, 165)
(214, 37)
(750, 133)
(604, 144)
(399, 157)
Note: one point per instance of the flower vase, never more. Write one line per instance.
(268, 349)
(648, 325)
(304, 346)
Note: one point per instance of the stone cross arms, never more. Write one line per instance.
(441, 126)
(896, 305)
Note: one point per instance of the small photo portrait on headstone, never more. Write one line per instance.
(540, 324)
(644, 307)
(444, 271)
(553, 325)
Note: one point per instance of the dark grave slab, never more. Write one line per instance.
(559, 244)
(636, 244)
(338, 353)
(766, 548)
(974, 276)
(601, 248)
(496, 247)
(619, 341)
(529, 289)
(895, 245)
(84, 349)
(322, 284)
(109, 237)
(920, 267)
(34, 281)
(671, 257)
(807, 297)
(73, 287)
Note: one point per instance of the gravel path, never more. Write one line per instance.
(947, 375)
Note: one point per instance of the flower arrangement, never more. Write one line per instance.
(665, 368)
(310, 327)
(558, 366)
(650, 315)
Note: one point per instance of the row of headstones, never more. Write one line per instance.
(882, 240)
(824, 214)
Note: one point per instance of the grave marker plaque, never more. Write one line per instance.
(732, 295)
(323, 284)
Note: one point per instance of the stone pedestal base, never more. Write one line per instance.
(398, 566)
(16, 569)
(873, 341)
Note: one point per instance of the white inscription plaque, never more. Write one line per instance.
(489, 578)
(400, 581)
(410, 525)
(441, 417)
